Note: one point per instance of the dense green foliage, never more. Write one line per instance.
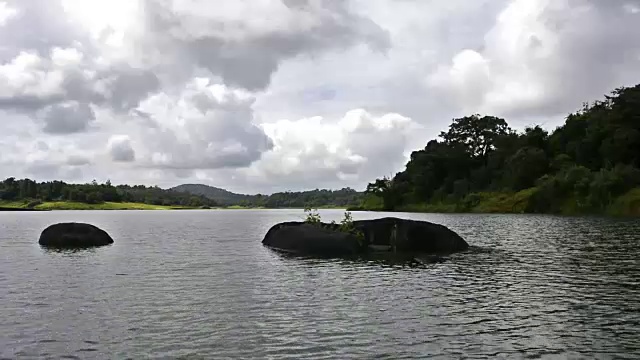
(27, 192)
(12, 190)
(220, 196)
(313, 198)
(588, 165)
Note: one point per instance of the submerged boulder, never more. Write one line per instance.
(375, 236)
(74, 235)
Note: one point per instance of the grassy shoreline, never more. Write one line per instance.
(626, 205)
(29, 205)
(70, 205)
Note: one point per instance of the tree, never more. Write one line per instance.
(27, 189)
(526, 166)
(379, 186)
(477, 134)
(535, 137)
(93, 198)
(387, 190)
(592, 158)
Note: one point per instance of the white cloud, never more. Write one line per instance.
(359, 145)
(6, 13)
(544, 58)
(205, 126)
(67, 118)
(78, 160)
(33, 82)
(184, 91)
(25, 77)
(120, 148)
(59, 158)
(244, 42)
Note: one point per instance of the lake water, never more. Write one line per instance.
(199, 284)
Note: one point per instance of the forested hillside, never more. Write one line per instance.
(29, 191)
(314, 198)
(221, 196)
(588, 165)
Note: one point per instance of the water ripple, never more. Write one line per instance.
(200, 285)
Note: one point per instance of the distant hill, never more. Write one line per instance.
(220, 196)
(315, 198)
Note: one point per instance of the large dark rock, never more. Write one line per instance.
(411, 236)
(74, 235)
(308, 239)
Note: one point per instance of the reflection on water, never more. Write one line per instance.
(384, 259)
(179, 284)
(68, 250)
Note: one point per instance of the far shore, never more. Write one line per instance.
(70, 205)
(17, 209)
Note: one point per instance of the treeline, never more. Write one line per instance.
(94, 193)
(314, 198)
(481, 164)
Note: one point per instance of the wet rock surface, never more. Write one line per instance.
(378, 235)
(74, 235)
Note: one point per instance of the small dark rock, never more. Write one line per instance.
(74, 235)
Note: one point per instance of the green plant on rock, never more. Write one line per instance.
(346, 224)
(313, 217)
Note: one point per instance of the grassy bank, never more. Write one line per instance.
(520, 202)
(70, 205)
(242, 207)
(626, 205)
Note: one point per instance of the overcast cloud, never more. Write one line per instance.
(263, 96)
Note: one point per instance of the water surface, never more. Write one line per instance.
(199, 283)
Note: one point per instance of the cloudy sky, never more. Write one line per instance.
(271, 95)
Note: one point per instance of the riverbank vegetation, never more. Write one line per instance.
(58, 195)
(589, 165)
(318, 198)
(73, 205)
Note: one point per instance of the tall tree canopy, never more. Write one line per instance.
(588, 161)
(477, 134)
